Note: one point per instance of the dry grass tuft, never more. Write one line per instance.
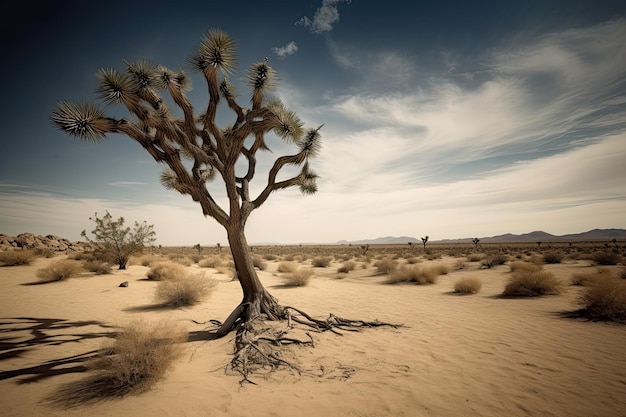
(607, 258)
(321, 261)
(59, 270)
(588, 278)
(413, 273)
(604, 299)
(524, 266)
(346, 267)
(97, 267)
(386, 265)
(298, 278)
(163, 271)
(259, 263)
(553, 257)
(17, 257)
(184, 292)
(287, 267)
(468, 285)
(528, 283)
(211, 262)
(138, 358)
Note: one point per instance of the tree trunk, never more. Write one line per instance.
(256, 299)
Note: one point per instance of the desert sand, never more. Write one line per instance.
(473, 355)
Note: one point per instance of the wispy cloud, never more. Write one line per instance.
(289, 49)
(325, 17)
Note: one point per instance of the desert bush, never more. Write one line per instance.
(413, 260)
(604, 299)
(431, 256)
(347, 267)
(17, 257)
(289, 258)
(606, 258)
(321, 261)
(196, 258)
(587, 278)
(140, 355)
(475, 257)
(440, 269)
(166, 271)
(285, 267)
(184, 292)
(412, 273)
(43, 252)
(97, 267)
(529, 283)
(553, 257)
(524, 266)
(59, 270)
(386, 265)
(459, 264)
(494, 260)
(298, 278)
(467, 285)
(258, 262)
(149, 260)
(211, 262)
(270, 257)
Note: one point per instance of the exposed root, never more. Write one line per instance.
(260, 339)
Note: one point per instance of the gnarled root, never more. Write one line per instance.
(260, 337)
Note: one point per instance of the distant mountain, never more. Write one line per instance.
(388, 240)
(540, 236)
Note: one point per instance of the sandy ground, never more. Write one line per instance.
(477, 355)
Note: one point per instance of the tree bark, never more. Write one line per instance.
(256, 299)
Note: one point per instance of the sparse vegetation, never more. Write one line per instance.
(298, 278)
(287, 267)
(552, 257)
(467, 285)
(162, 271)
(413, 273)
(59, 270)
(138, 358)
(529, 283)
(590, 277)
(606, 257)
(321, 261)
(185, 291)
(259, 263)
(386, 265)
(17, 257)
(604, 299)
(97, 267)
(346, 267)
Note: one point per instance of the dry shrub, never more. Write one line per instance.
(347, 267)
(606, 258)
(413, 260)
(211, 262)
(527, 283)
(494, 260)
(552, 257)
(412, 273)
(184, 292)
(431, 256)
(138, 358)
(270, 257)
(167, 271)
(321, 261)
(468, 285)
(149, 260)
(17, 257)
(604, 299)
(524, 266)
(475, 257)
(287, 267)
(386, 266)
(298, 278)
(588, 278)
(440, 269)
(258, 262)
(59, 270)
(97, 267)
(44, 252)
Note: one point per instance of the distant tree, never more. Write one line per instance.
(198, 248)
(196, 150)
(424, 240)
(475, 241)
(117, 242)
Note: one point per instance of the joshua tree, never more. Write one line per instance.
(424, 240)
(116, 242)
(475, 242)
(198, 248)
(196, 150)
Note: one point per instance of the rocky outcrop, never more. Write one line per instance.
(31, 241)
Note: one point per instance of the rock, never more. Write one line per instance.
(124, 284)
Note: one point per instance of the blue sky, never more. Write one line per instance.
(448, 119)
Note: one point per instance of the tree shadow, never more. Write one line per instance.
(149, 307)
(45, 332)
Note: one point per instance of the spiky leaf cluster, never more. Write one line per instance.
(215, 52)
(83, 120)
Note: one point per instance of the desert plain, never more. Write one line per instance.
(478, 354)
